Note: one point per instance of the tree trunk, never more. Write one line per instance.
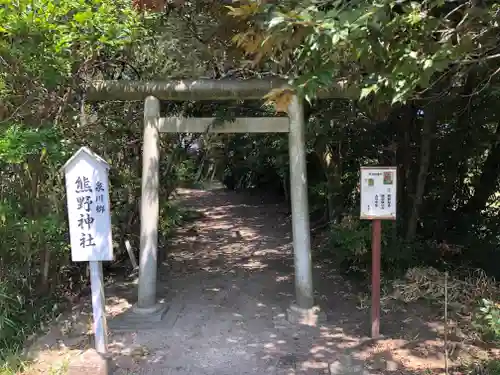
(201, 167)
(486, 184)
(405, 179)
(330, 157)
(44, 284)
(285, 187)
(429, 123)
(461, 136)
(409, 192)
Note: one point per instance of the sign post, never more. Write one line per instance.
(87, 191)
(378, 202)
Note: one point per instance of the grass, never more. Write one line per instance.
(12, 362)
(14, 333)
(60, 370)
(488, 367)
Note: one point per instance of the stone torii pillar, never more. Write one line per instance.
(150, 208)
(302, 311)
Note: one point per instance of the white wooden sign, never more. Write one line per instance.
(89, 215)
(378, 193)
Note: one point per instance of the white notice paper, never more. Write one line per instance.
(378, 193)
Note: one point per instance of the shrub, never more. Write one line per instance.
(487, 320)
(349, 243)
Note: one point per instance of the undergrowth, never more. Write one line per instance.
(489, 367)
(487, 321)
(416, 271)
(23, 315)
(349, 244)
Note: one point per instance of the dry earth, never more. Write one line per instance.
(228, 279)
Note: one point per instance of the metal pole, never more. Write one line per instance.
(376, 244)
(98, 307)
(149, 205)
(300, 207)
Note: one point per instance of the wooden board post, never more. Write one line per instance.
(87, 195)
(376, 244)
(378, 202)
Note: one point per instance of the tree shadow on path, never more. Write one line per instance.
(228, 279)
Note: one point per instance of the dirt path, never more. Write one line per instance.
(228, 279)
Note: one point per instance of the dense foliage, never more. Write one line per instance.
(49, 49)
(422, 79)
(416, 83)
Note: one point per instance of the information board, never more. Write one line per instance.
(378, 187)
(88, 207)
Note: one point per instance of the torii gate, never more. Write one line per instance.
(303, 310)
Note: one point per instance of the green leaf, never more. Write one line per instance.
(82, 17)
(366, 91)
(275, 21)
